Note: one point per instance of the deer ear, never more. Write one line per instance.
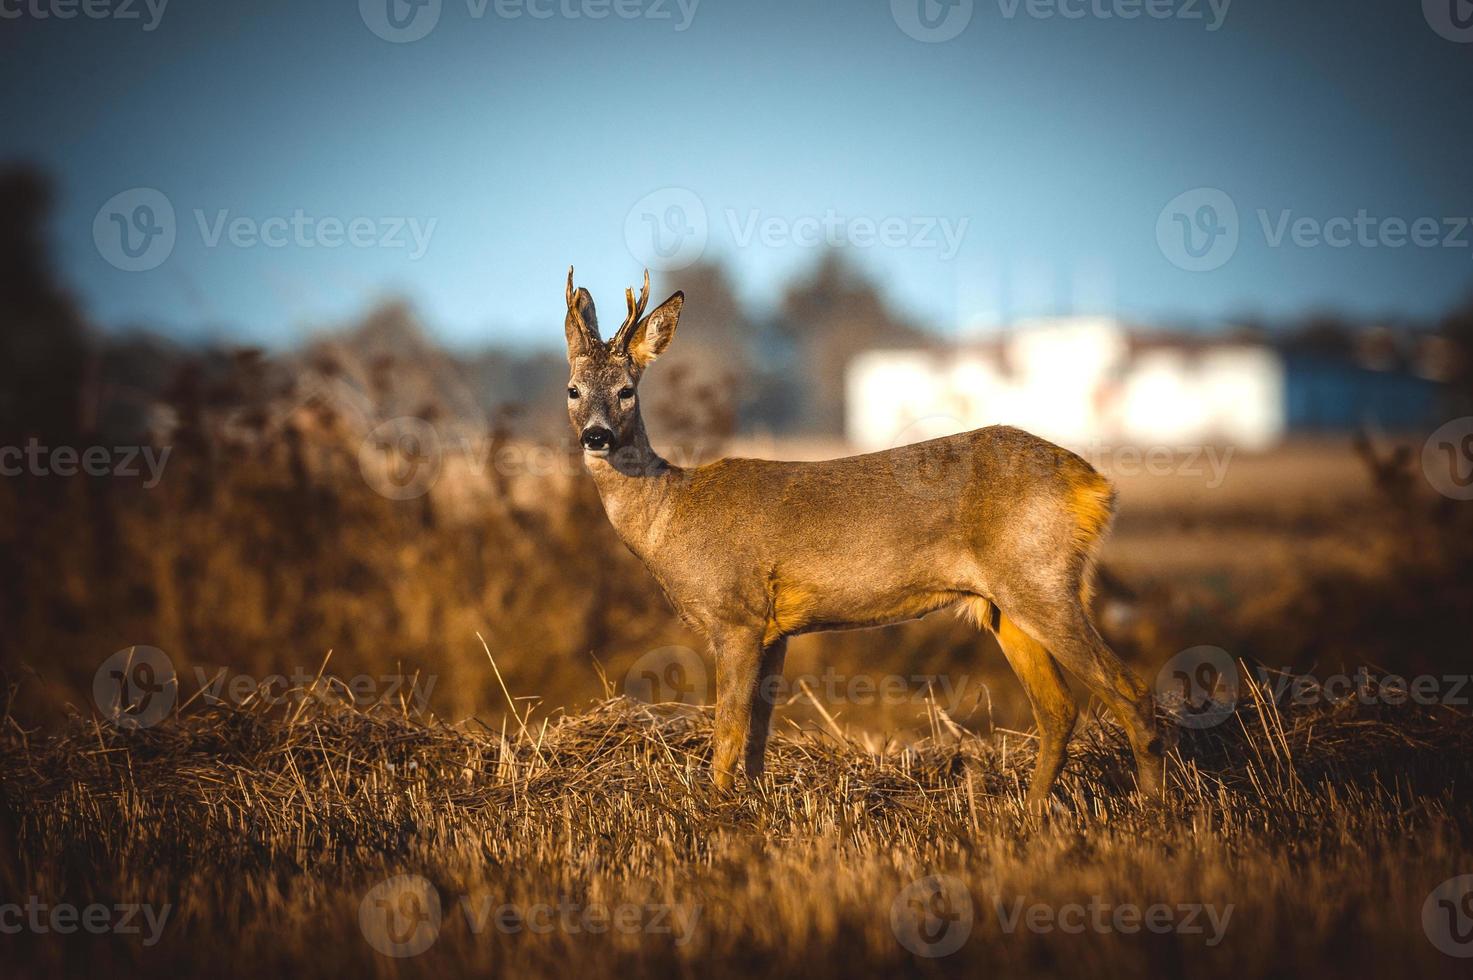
(655, 331)
(581, 325)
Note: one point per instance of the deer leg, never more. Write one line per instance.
(766, 693)
(1054, 709)
(1073, 639)
(738, 665)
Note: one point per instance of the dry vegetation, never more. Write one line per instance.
(1322, 828)
(265, 828)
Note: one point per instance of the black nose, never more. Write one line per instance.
(596, 437)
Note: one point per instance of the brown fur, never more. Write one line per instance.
(1092, 502)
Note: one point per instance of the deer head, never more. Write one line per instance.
(603, 391)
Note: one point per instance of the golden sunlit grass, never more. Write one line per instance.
(1313, 833)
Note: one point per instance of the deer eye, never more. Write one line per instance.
(572, 392)
(626, 392)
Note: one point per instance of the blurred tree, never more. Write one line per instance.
(43, 340)
(1322, 334)
(1457, 328)
(698, 389)
(825, 319)
(528, 389)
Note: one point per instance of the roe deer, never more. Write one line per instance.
(751, 551)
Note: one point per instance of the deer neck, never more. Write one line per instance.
(635, 485)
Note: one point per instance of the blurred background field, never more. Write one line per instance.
(268, 539)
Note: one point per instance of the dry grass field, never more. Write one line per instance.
(316, 838)
(533, 817)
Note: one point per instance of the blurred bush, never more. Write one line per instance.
(265, 543)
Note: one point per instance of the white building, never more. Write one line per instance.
(1077, 381)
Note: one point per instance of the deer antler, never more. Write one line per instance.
(636, 310)
(581, 326)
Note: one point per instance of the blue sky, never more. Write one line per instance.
(1023, 166)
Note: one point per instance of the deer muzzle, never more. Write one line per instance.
(597, 439)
